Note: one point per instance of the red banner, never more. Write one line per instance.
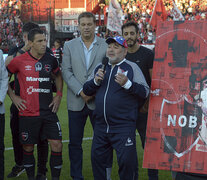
(159, 13)
(177, 121)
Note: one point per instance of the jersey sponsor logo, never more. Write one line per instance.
(28, 68)
(48, 68)
(31, 90)
(37, 79)
(25, 136)
(38, 66)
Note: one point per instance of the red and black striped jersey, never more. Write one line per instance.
(35, 81)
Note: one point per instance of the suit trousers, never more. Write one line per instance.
(77, 121)
(2, 130)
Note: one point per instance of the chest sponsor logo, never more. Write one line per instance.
(47, 68)
(28, 68)
(33, 79)
(38, 66)
(31, 90)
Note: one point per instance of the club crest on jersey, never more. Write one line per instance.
(121, 71)
(25, 136)
(47, 68)
(38, 66)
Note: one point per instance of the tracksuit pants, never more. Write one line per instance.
(102, 150)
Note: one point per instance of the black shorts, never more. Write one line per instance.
(34, 128)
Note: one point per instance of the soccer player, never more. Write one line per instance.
(37, 105)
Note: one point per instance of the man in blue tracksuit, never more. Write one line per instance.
(116, 86)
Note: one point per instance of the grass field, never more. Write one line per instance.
(65, 173)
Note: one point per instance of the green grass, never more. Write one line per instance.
(87, 169)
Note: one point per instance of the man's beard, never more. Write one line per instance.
(133, 43)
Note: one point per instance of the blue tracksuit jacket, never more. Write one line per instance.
(116, 107)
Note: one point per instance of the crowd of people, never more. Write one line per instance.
(139, 10)
(10, 24)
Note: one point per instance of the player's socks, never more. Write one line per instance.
(29, 163)
(56, 163)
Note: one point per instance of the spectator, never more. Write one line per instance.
(57, 51)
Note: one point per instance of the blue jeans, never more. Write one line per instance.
(2, 129)
(77, 121)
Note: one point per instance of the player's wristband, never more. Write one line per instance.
(59, 93)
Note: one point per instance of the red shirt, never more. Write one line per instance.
(35, 81)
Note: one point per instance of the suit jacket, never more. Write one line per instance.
(3, 82)
(74, 70)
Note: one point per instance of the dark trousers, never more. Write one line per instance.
(190, 176)
(2, 129)
(141, 126)
(77, 121)
(102, 149)
(14, 125)
(42, 146)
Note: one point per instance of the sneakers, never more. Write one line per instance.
(41, 177)
(16, 171)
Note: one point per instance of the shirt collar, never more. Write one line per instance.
(119, 62)
(94, 40)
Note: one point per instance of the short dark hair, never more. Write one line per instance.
(88, 15)
(58, 41)
(128, 24)
(29, 26)
(33, 32)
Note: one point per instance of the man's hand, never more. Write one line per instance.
(121, 79)
(99, 76)
(86, 98)
(18, 102)
(55, 103)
